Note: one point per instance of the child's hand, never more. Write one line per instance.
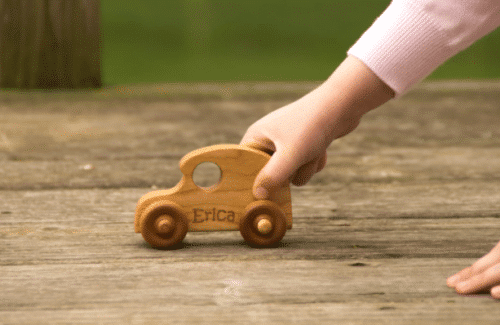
(483, 275)
(297, 135)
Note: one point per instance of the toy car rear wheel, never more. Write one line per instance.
(164, 224)
(263, 225)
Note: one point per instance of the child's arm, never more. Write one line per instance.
(408, 41)
(299, 134)
(405, 44)
(413, 37)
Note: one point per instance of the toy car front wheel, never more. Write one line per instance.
(264, 224)
(164, 224)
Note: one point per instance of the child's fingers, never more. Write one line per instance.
(459, 277)
(495, 292)
(480, 282)
(265, 146)
(307, 171)
(304, 173)
(322, 163)
(278, 170)
(275, 174)
(485, 262)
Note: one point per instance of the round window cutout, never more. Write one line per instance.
(207, 175)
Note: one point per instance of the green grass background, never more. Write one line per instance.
(260, 40)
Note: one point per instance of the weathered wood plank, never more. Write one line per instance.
(124, 169)
(94, 226)
(138, 141)
(408, 199)
(72, 257)
(275, 292)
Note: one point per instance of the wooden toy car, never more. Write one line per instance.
(163, 217)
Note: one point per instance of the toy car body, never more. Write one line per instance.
(163, 217)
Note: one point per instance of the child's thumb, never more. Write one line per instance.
(275, 174)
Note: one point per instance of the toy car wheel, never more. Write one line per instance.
(164, 224)
(264, 224)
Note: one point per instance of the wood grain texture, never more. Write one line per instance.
(409, 198)
(50, 44)
(222, 206)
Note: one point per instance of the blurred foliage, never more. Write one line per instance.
(262, 40)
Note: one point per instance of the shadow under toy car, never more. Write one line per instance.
(163, 217)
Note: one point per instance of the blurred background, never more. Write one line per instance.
(90, 43)
(258, 40)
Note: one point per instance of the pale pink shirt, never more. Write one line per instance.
(413, 37)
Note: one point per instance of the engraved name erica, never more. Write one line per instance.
(200, 215)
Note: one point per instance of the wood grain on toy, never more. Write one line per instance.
(219, 207)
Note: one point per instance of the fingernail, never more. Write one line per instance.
(261, 193)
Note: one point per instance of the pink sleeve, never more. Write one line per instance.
(413, 37)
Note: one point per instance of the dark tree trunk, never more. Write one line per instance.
(49, 44)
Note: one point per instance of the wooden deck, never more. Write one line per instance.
(409, 198)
